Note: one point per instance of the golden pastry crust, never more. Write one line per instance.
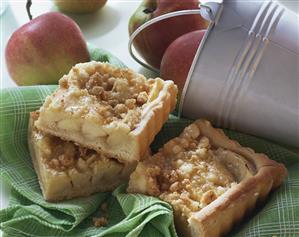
(66, 170)
(111, 110)
(210, 180)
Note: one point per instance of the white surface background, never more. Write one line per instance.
(106, 29)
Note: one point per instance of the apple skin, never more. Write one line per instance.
(79, 6)
(44, 49)
(152, 42)
(179, 56)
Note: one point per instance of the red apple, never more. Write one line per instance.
(152, 42)
(179, 56)
(44, 49)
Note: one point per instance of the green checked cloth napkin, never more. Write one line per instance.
(129, 215)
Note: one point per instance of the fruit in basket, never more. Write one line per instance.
(179, 56)
(153, 41)
(79, 6)
(44, 49)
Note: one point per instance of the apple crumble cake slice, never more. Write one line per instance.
(210, 181)
(66, 170)
(111, 110)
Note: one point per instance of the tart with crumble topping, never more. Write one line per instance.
(114, 111)
(66, 170)
(210, 181)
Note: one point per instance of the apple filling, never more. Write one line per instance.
(102, 96)
(62, 155)
(189, 173)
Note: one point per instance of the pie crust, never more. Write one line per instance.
(210, 180)
(66, 170)
(114, 111)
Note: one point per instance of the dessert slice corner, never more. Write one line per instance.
(210, 180)
(66, 170)
(108, 109)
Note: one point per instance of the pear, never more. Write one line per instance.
(80, 6)
(44, 49)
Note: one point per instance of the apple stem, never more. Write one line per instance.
(148, 10)
(28, 5)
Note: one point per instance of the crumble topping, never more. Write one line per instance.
(187, 172)
(62, 155)
(99, 222)
(116, 94)
(102, 220)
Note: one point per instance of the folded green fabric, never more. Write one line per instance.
(128, 215)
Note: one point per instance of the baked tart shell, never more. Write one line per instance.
(256, 179)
